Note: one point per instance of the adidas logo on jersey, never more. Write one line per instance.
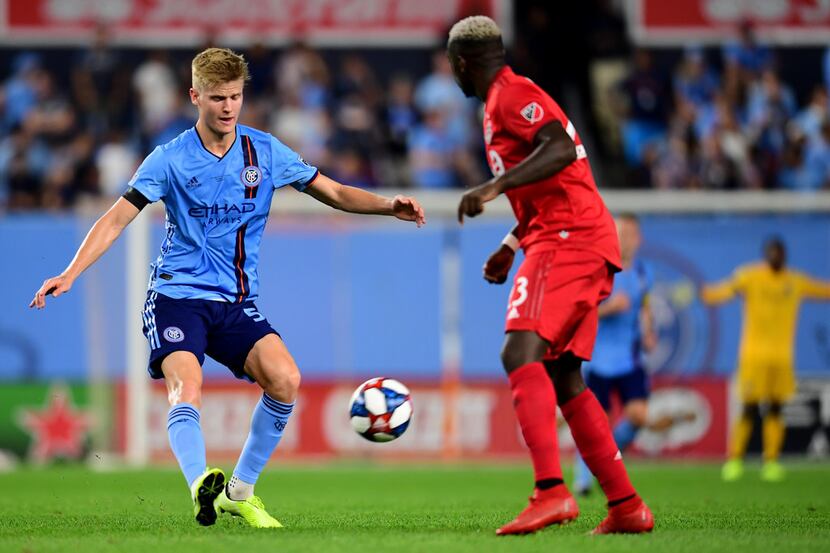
(192, 183)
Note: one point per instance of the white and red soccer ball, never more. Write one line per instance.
(380, 409)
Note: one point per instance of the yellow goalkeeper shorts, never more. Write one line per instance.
(762, 382)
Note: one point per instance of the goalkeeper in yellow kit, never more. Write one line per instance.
(772, 295)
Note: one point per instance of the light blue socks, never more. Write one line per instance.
(267, 424)
(624, 434)
(186, 440)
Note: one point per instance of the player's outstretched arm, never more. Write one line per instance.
(554, 150)
(100, 237)
(814, 289)
(356, 200)
(715, 294)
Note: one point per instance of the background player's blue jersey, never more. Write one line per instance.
(617, 348)
(216, 210)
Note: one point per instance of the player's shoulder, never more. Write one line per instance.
(514, 83)
(258, 136)
(520, 95)
(178, 144)
(750, 270)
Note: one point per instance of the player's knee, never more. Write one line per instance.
(512, 359)
(281, 381)
(522, 348)
(185, 391)
(567, 377)
(637, 413)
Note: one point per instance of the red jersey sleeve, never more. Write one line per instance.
(524, 108)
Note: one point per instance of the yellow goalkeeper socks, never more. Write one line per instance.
(741, 432)
(773, 430)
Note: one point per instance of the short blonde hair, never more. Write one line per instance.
(475, 28)
(215, 66)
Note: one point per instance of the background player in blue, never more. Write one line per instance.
(216, 181)
(625, 329)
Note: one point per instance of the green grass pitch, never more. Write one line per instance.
(401, 508)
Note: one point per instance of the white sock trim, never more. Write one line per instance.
(239, 490)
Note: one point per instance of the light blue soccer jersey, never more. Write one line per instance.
(216, 211)
(617, 348)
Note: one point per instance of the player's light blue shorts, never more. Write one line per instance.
(225, 331)
(630, 386)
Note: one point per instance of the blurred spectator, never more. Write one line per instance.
(438, 92)
(52, 117)
(770, 106)
(115, 161)
(805, 162)
(23, 161)
(673, 168)
(747, 54)
(100, 85)
(812, 117)
(694, 81)
(349, 165)
(155, 83)
(437, 158)
(399, 113)
(260, 66)
(302, 77)
(645, 109)
(19, 91)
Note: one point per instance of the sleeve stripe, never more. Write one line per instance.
(136, 198)
(313, 178)
(571, 130)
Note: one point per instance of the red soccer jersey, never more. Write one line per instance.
(564, 211)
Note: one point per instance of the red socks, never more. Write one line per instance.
(592, 434)
(534, 401)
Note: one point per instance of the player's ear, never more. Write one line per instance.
(194, 96)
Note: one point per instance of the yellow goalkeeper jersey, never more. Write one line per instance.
(771, 302)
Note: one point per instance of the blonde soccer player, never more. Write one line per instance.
(217, 180)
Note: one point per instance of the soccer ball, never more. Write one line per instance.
(380, 409)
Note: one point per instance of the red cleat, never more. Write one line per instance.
(631, 517)
(553, 506)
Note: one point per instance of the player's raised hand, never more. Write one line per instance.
(55, 286)
(472, 202)
(498, 265)
(408, 209)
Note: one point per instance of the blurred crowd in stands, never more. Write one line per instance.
(715, 118)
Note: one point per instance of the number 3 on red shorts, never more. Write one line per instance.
(520, 292)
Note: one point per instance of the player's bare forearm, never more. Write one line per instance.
(98, 240)
(356, 200)
(649, 331)
(554, 151)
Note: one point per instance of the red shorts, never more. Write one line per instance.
(555, 294)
